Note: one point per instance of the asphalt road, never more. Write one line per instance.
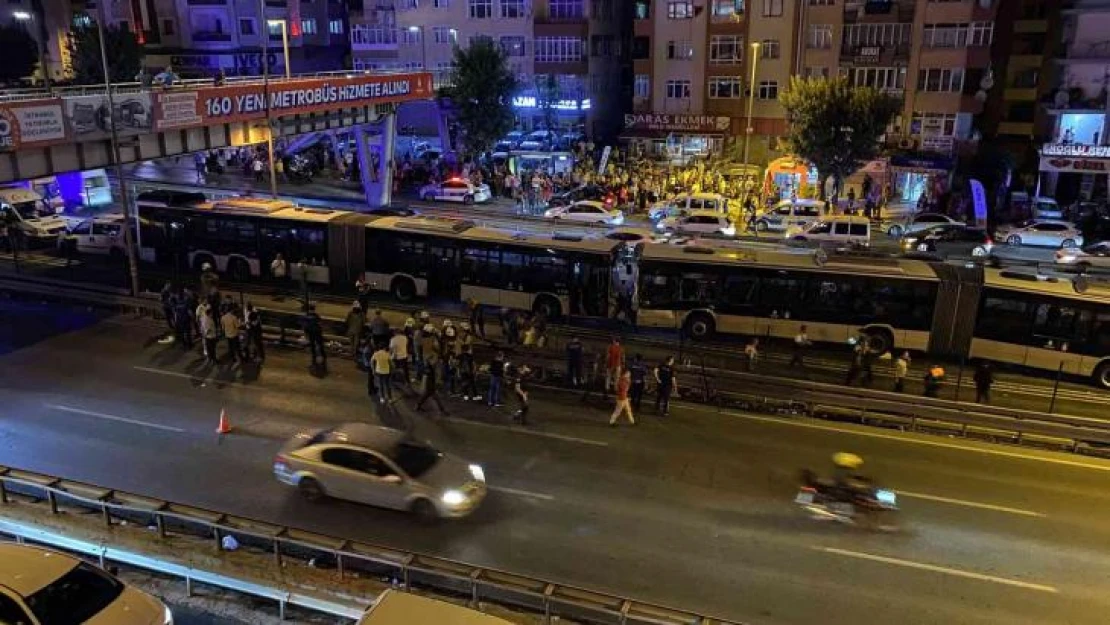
(694, 510)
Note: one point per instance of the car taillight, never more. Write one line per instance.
(988, 240)
(280, 462)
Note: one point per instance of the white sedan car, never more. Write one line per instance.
(698, 222)
(920, 222)
(588, 211)
(1095, 255)
(455, 190)
(1043, 232)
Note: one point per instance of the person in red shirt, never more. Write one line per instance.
(613, 360)
(623, 403)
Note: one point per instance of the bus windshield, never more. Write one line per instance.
(33, 209)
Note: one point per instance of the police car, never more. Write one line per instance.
(455, 190)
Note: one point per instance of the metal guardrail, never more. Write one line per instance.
(410, 570)
(106, 553)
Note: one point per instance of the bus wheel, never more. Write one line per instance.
(1102, 375)
(468, 199)
(880, 341)
(238, 269)
(700, 326)
(403, 289)
(762, 226)
(549, 306)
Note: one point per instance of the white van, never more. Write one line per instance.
(687, 202)
(791, 213)
(101, 235)
(850, 230)
(32, 214)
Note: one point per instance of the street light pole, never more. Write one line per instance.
(266, 94)
(124, 195)
(751, 100)
(284, 43)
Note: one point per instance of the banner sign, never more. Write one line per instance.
(677, 123)
(979, 198)
(1075, 149)
(604, 159)
(31, 123)
(1077, 165)
(233, 103)
(88, 116)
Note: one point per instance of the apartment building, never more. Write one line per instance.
(200, 37)
(568, 52)
(47, 22)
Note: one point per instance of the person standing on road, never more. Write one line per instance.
(933, 377)
(229, 323)
(751, 353)
(278, 267)
(666, 385)
(496, 374)
(379, 329)
(256, 167)
(381, 365)
(183, 320)
(614, 358)
(467, 375)
(253, 322)
(901, 369)
(867, 361)
(209, 332)
(399, 353)
(430, 389)
(310, 325)
(984, 378)
(477, 317)
(638, 371)
(856, 364)
(519, 376)
(168, 300)
(624, 384)
(801, 344)
(574, 362)
(356, 320)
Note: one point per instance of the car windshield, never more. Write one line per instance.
(75, 597)
(33, 209)
(414, 459)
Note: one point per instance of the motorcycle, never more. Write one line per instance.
(861, 504)
(299, 170)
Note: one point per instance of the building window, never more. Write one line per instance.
(444, 34)
(680, 50)
(728, 8)
(958, 35)
(642, 10)
(246, 26)
(768, 90)
(879, 77)
(943, 124)
(169, 27)
(680, 10)
(335, 27)
(411, 36)
(769, 49)
(642, 86)
(441, 4)
(981, 34)
(772, 8)
(678, 89)
(820, 36)
(512, 45)
(856, 35)
(367, 35)
(559, 49)
(726, 49)
(479, 39)
(817, 72)
(727, 87)
(566, 9)
(941, 80)
(641, 48)
(308, 26)
(480, 9)
(512, 9)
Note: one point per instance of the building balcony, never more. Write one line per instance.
(544, 15)
(875, 55)
(212, 37)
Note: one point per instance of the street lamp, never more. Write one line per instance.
(40, 43)
(423, 46)
(284, 42)
(756, 47)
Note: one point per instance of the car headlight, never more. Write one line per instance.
(660, 226)
(478, 473)
(453, 498)
(167, 616)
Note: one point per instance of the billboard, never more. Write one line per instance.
(89, 119)
(234, 103)
(31, 123)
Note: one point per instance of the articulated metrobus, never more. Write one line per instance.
(702, 290)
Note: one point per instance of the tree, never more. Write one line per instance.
(21, 53)
(834, 125)
(125, 55)
(481, 90)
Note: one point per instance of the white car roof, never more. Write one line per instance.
(704, 212)
(593, 203)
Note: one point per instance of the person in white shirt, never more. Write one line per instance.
(801, 342)
(278, 268)
(399, 352)
(229, 322)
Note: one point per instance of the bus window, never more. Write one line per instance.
(657, 289)
(1057, 324)
(480, 266)
(781, 295)
(739, 292)
(1099, 345)
(546, 273)
(1003, 319)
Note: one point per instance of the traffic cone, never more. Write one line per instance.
(225, 426)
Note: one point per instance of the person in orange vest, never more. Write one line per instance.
(933, 377)
(623, 403)
(614, 357)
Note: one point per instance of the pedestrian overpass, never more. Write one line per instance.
(44, 133)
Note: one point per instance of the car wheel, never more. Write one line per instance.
(700, 326)
(423, 510)
(549, 306)
(1068, 243)
(403, 289)
(1013, 239)
(468, 199)
(429, 197)
(762, 226)
(979, 252)
(310, 489)
(895, 231)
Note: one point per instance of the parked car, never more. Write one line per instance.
(588, 211)
(1043, 232)
(537, 140)
(584, 192)
(381, 467)
(920, 221)
(1096, 255)
(848, 230)
(945, 240)
(101, 235)
(787, 213)
(455, 190)
(688, 202)
(43, 586)
(698, 222)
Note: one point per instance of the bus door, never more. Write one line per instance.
(443, 270)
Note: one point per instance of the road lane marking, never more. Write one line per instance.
(523, 430)
(110, 417)
(902, 439)
(970, 504)
(910, 564)
(522, 493)
(196, 378)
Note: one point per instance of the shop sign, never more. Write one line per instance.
(1080, 165)
(531, 102)
(920, 163)
(868, 54)
(677, 123)
(1075, 149)
(30, 123)
(220, 105)
(933, 143)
